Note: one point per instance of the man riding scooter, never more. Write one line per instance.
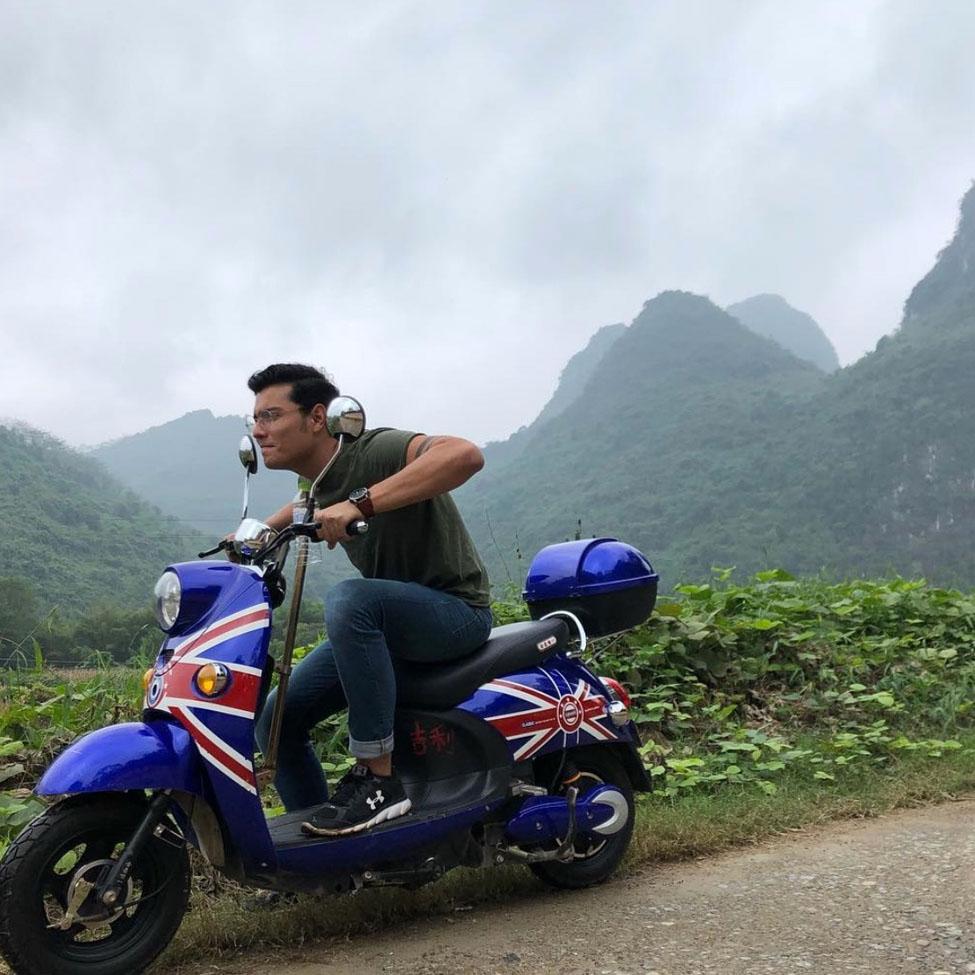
(423, 595)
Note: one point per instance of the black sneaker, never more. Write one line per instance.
(361, 800)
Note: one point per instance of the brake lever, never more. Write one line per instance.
(213, 551)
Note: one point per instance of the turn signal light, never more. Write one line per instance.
(146, 678)
(212, 679)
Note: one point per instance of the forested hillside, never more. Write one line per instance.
(684, 393)
(704, 445)
(73, 535)
(189, 468)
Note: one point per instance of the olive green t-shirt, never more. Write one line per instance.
(425, 542)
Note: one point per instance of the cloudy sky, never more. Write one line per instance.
(441, 201)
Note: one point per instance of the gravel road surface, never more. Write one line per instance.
(876, 897)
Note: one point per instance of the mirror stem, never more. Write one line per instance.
(318, 480)
(247, 478)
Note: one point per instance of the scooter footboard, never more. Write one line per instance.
(135, 755)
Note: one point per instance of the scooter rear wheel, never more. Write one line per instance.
(595, 856)
(48, 866)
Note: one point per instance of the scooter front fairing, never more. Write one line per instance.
(209, 677)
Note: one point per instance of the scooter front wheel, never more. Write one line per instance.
(50, 920)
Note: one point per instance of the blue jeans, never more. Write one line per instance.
(369, 621)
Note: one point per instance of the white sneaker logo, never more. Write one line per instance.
(376, 800)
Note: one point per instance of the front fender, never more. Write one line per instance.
(135, 755)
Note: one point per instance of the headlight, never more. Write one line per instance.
(168, 595)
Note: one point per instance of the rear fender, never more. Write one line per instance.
(135, 755)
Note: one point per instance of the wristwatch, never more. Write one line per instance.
(360, 498)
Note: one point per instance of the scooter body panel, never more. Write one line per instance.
(134, 755)
(553, 707)
(231, 629)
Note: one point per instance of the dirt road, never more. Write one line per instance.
(879, 897)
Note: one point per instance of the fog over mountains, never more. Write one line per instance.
(705, 436)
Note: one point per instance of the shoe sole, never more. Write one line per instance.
(394, 811)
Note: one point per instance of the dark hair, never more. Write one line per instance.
(308, 384)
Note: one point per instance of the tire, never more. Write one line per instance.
(64, 845)
(595, 857)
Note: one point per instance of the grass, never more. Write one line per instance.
(687, 827)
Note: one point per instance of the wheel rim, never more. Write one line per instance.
(96, 934)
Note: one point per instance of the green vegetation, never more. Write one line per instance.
(72, 535)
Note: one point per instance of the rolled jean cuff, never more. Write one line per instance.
(370, 749)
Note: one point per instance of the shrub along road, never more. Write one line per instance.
(874, 897)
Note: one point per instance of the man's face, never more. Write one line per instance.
(281, 429)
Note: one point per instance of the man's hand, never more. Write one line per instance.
(333, 521)
(230, 551)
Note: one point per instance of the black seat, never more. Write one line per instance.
(516, 646)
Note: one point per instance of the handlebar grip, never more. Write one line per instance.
(357, 527)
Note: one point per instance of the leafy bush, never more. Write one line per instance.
(732, 686)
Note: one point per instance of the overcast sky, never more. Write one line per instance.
(440, 202)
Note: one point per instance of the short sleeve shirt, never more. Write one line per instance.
(426, 542)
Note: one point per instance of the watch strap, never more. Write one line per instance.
(360, 498)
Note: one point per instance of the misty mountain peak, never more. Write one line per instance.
(772, 316)
(944, 295)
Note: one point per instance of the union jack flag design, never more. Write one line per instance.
(172, 690)
(571, 714)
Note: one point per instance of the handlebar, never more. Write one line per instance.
(308, 529)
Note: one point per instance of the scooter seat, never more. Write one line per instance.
(510, 648)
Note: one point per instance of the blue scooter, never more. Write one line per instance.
(517, 752)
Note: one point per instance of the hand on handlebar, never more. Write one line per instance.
(339, 522)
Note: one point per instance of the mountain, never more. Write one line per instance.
(702, 442)
(887, 457)
(77, 536)
(669, 433)
(773, 317)
(705, 444)
(189, 468)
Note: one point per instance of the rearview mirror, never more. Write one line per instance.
(345, 418)
(247, 452)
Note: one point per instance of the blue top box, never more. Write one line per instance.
(608, 584)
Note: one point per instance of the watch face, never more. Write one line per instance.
(359, 494)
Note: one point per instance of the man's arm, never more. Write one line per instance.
(281, 518)
(434, 466)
